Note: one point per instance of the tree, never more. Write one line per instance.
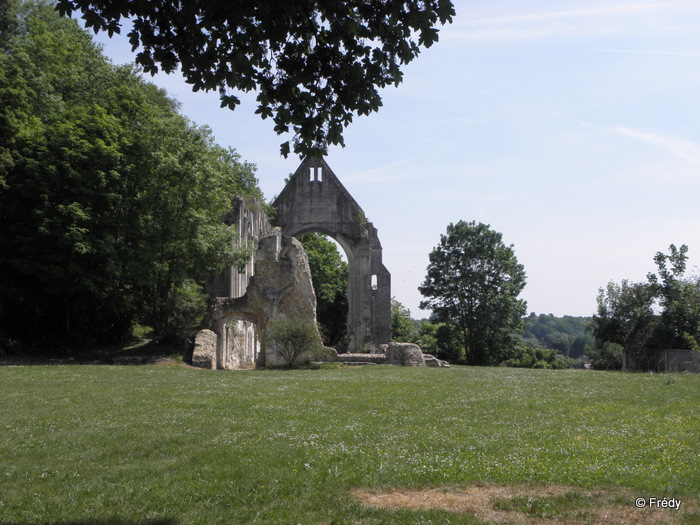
(626, 317)
(679, 297)
(314, 64)
(607, 357)
(427, 338)
(578, 347)
(402, 329)
(329, 274)
(448, 343)
(473, 283)
(625, 320)
(623, 310)
(525, 356)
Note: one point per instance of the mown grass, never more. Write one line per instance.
(172, 445)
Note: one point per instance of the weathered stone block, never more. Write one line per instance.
(404, 354)
(204, 353)
(431, 361)
(434, 362)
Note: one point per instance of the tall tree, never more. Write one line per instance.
(624, 322)
(402, 329)
(679, 298)
(315, 64)
(473, 283)
(623, 310)
(626, 317)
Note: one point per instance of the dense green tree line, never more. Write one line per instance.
(567, 335)
(443, 339)
(110, 201)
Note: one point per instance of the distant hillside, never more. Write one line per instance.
(567, 335)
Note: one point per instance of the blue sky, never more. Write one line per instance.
(571, 126)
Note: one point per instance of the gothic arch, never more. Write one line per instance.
(314, 200)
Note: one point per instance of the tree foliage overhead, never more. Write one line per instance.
(313, 63)
(473, 283)
(112, 202)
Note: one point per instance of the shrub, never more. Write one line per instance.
(293, 337)
(524, 356)
(181, 314)
(608, 357)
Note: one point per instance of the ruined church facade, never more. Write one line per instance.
(314, 200)
(277, 280)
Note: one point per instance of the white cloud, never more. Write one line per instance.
(606, 19)
(582, 13)
(679, 147)
(643, 52)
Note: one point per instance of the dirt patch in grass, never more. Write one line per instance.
(530, 505)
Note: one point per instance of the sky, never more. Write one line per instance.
(570, 126)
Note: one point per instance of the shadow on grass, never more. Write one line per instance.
(144, 352)
(107, 521)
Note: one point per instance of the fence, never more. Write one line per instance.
(675, 361)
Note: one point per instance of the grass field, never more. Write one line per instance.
(166, 445)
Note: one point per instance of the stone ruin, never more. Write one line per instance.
(314, 200)
(280, 286)
(276, 281)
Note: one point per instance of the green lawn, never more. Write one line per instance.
(166, 445)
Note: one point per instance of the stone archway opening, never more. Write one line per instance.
(328, 262)
(239, 346)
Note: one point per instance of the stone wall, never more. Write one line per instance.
(237, 338)
(251, 223)
(240, 346)
(313, 200)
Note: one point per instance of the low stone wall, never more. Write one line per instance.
(398, 354)
(378, 359)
